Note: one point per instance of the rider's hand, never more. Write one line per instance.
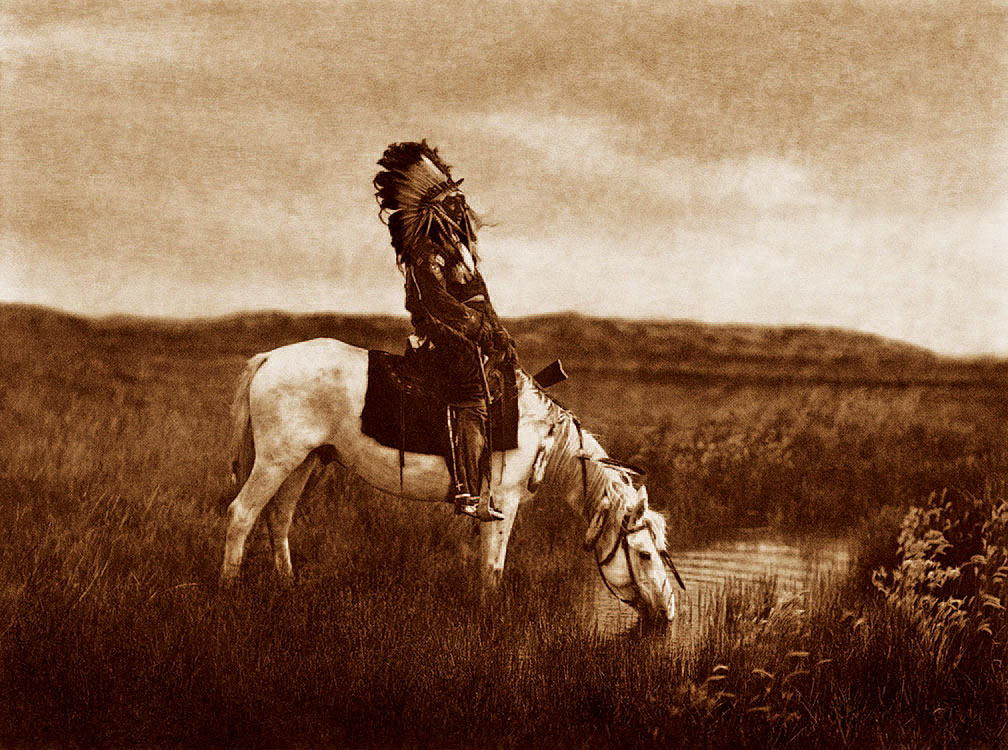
(502, 341)
(485, 337)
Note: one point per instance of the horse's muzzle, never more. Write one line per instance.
(657, 614)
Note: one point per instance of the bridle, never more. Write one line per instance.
(622, 538)
(622, 542)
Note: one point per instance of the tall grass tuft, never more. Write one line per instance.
(951, 580)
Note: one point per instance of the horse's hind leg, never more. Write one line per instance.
(280, 513)
(263, 482)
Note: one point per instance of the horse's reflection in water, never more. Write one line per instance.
(298, 398)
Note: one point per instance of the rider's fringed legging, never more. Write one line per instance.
(470, 429)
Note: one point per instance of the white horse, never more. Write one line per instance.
(298, 398)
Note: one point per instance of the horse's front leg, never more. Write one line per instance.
(494, 538)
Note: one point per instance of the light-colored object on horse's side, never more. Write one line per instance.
(302, 397)
(539, 464)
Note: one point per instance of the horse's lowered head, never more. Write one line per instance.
(628, 541)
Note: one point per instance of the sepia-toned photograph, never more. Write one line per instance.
(511, 374)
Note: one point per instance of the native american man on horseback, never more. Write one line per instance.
(458, 334)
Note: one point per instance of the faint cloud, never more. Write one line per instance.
(593, 149)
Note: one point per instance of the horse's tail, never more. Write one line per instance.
(242, 445)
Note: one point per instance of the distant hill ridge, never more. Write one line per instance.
(652, 349)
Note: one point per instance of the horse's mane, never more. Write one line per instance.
(563, 468)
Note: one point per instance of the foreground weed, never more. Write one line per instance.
(951, 576)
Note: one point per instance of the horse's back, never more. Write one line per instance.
(320, 351)
(310, 387)
(313, 359)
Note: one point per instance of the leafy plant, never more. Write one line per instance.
(952, 572)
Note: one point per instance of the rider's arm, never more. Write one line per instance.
(428, 274)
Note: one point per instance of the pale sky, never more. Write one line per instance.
(830, 163)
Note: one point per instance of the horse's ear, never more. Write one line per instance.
(636, 515)
(597, 524)
(637, 512)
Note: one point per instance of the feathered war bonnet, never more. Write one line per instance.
(418, 198)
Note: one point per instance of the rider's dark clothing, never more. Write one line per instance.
(451, 310)
(433, 232)
(442, 293)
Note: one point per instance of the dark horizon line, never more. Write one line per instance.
(561, 314)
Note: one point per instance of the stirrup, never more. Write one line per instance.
(472, 505)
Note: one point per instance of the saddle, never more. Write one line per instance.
(405, 409)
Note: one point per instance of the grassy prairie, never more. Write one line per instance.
(111, 484)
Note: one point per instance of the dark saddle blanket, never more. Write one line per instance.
(404, 408)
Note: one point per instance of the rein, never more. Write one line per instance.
(621, 538)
